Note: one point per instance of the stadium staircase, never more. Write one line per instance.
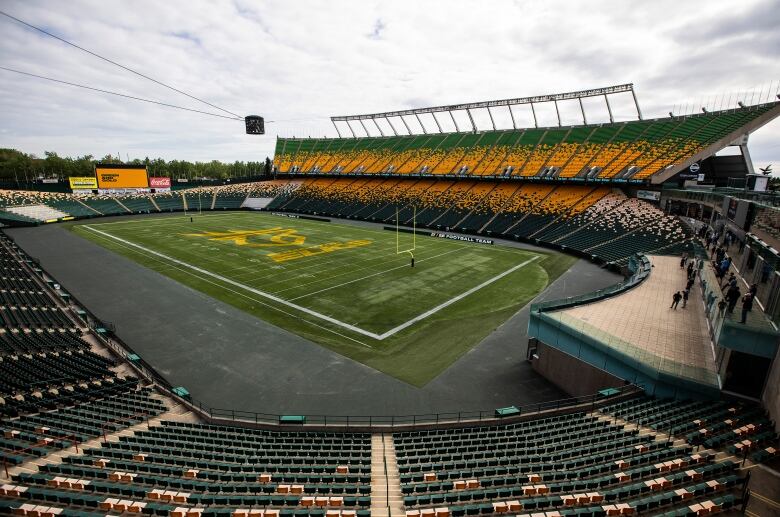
(526, 215)
(386, 497)
(582, 228)
(94, 211)
(560, 218)
(119, 202)
(156, 206)
(175, 412)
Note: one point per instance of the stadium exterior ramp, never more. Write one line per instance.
(627, 333)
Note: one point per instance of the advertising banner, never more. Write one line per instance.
(159, 182)
(82, 183)
(114, 178)
(465, 238)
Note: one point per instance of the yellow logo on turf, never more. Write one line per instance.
(328, 247)
(278, 236)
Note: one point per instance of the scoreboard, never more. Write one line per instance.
(121, 177)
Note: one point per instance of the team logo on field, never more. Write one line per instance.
(328, 247)
(278, 236)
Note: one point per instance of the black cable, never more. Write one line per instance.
(117, 64)
(118, 94)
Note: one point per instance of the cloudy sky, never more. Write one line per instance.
(298, 62)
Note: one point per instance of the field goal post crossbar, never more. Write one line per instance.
(410, 251)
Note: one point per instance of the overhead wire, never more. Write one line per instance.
(118, 94)
(118, 64)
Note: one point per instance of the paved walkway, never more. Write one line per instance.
(641, 324)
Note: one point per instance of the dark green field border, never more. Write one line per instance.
(228, 358)
(415, 355)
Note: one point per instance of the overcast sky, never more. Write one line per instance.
(298, 62)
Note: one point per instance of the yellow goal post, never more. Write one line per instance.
(398, 250)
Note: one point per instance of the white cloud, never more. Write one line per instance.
(296, 63)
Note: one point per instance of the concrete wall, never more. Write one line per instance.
(771, 396)
(572, 375)
(589, 351)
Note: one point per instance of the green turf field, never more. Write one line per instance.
(343, 286)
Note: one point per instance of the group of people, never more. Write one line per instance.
(733, 294)
(721, 264)
(693, 266)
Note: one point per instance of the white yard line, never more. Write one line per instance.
(308, 311)
(453, 300)
(372, 275)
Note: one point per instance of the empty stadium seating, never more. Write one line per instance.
(55, 390)
(739, 427)
(623, 150)
(35, 207)
(597, 221)
(640, 455)
(605, 462)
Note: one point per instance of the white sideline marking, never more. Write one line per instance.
(244, 295)
(316, 314)
(140, 221)
(238, 284)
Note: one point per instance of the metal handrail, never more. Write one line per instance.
(103, 426)
(394, 422)
(640, 268)
(40, 442)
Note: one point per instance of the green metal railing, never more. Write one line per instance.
(638, 265)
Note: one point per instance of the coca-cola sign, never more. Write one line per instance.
(159, 182)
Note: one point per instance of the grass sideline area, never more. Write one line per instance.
(343, 286)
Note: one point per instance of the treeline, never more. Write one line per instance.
(16, 166)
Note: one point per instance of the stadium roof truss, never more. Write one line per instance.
(486, 105)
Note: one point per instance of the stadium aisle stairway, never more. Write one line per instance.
(609, 462)
(580, 464)
(181, 466)
(740, 428)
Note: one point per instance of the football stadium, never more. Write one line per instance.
(556, 304)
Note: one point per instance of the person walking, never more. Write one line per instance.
(682, 262)
(747, 306)
(731, 283)
(688, 286)
(732, 296)
(685, 297)
(675, 300)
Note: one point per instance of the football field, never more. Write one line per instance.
(347, 287)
